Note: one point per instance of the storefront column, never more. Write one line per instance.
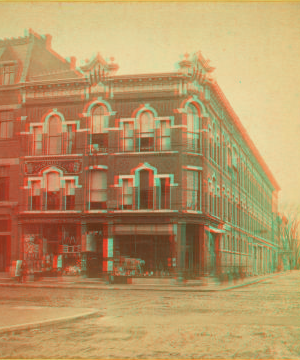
(17, 251)
(218, 260)
(202, 249)
(108, 248)
(181, 250)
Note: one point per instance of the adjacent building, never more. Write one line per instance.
(156, 168)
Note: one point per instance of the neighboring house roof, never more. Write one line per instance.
(37, 60)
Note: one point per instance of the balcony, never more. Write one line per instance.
(142, 199)
(45, 145)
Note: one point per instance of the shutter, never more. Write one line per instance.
(44, 200)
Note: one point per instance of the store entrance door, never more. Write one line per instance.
(3, 252)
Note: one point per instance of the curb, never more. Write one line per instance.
(46, 323)
(185, 288)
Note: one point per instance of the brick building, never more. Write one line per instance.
(155, 167)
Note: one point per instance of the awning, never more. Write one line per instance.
(143, 229)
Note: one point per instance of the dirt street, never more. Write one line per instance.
(257, 321)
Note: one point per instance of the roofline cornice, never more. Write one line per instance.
(237, 122)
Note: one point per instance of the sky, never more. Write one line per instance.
(255, 48)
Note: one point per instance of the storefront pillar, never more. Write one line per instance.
(202, 249)
(108, 249)
(18, 250)
(218, 268)
(181, 250)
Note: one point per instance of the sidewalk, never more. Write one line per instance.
(18, 318)
(65, 282)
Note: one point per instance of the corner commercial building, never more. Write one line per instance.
(155, 167)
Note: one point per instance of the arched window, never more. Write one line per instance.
(193, 127)
(53, 191)
(146, 131)
(54, 145)
(99, 120)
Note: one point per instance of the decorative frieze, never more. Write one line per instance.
(54, 93)
(68, 166)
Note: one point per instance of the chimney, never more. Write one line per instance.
(48, 40)
(73, 62)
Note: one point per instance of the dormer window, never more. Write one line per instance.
(7, 74)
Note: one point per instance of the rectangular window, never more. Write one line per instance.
(70, 195)
(70, 145)
(165, 193)
(128, 139)
(98, 189)
(164, 139)
(53, 191)
(191, 187)
(127, 202)
(36, 195)
(6, 125)
(5, 225)
(7, 75)
(37, 140)
(146, 132)
(4, 188)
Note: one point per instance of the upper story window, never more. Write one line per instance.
(6, 125)
(55, 138)
(53, 191)
(146, 122)
(193, 127)
(36, 195)
(164, 140)
(165, 197)
(146, 190)
(127, 192)
(70, 195)
(127, 141)
(70, 139)
(98, 189)
(192, 190)
(55, 194)
(37, 140)
(99, 120)
(7, 74)
(229, 158)
(4, 183)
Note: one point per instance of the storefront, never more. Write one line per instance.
(52, 249)
(144, 250)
